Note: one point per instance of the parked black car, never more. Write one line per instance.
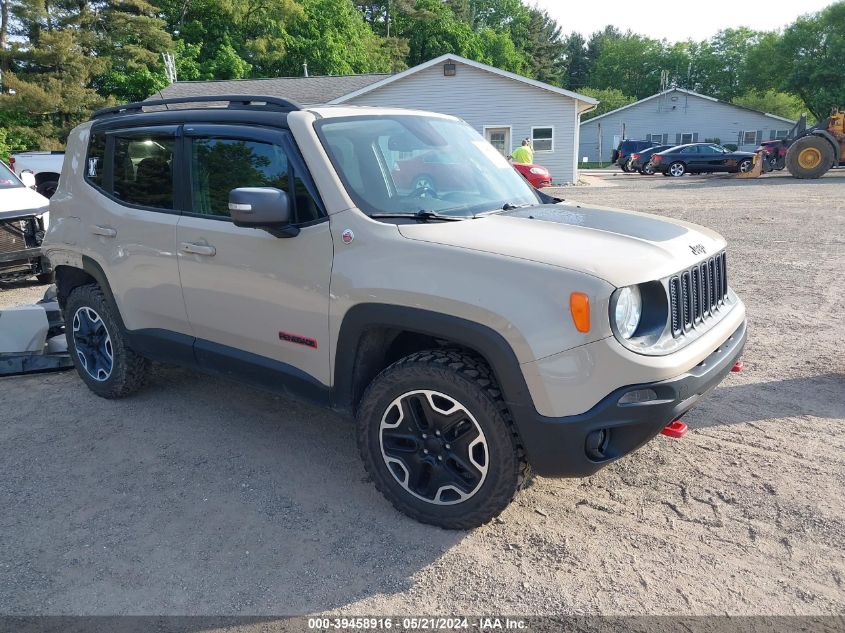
(622, 154)
(640, 160)
(698, 158)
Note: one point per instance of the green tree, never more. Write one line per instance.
(333, 39)
(433, 29)
(52, 63)
(813, 50)
(544, 48)
(609, 99)
(134, 38)
(576, 73)
(631, 63)
(772, 101)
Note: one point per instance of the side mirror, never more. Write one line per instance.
(262, 208)
(28, 178)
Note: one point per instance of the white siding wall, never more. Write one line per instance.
(686, 114)
(483, 99)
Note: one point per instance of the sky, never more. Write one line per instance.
(676, 21)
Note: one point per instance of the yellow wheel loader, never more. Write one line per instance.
(813, 151)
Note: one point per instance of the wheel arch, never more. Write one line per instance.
(70, 277)
(46, 176)
(372, 335)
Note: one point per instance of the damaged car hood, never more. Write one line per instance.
(621, 247)
(19, 201)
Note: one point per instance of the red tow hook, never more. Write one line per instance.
(738, 366)
(675, 429)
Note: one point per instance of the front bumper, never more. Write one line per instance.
(557, 447)
(22, 255)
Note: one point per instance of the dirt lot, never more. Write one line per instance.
(203, 497)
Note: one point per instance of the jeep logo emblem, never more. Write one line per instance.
(697, 249)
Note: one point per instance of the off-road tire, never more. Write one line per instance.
(129, 369)
(469, 381)
(812, 143)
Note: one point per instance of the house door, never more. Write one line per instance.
(500, 138)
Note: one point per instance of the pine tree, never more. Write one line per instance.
(133, 39)
(52, 62)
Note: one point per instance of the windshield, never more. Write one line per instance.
(7, 178)
(403, 164)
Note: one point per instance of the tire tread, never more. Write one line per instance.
(476, 371)
(130, 370)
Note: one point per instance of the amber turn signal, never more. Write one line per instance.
(579, 306)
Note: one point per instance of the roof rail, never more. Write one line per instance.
(235, 102)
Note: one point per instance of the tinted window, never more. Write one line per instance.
(693, 149)
(219, 165)
(143, 170)
(96, 159)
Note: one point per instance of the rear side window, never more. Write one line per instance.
(220, 164)
(143, 170)
(95, 161)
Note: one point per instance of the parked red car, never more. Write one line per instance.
(537, 175)
(432, 170)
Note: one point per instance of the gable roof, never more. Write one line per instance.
(587, 101)
(303, 90)
(691, 93)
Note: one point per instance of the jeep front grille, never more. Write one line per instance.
(697, 294)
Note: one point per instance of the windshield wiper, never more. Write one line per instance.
(422, 214)
(508, 206)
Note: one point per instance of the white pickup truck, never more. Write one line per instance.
(45, 166)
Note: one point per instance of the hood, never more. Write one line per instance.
(18, 201)
(621, 247)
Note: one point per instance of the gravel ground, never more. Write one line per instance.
(199, 496)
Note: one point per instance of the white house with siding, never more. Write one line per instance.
(678, 116)
(503, 106)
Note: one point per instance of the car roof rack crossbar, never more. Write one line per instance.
(235, 102)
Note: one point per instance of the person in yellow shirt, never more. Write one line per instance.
(523, 153)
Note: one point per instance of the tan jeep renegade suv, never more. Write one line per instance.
(474, 327)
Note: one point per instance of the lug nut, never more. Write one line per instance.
(437, 433)
(448, 446)
(439, 458)
(425, 451)
(424, 436)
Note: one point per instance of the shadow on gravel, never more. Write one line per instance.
(197, 495)
(730, 180)
(820, 396)
(20, 283)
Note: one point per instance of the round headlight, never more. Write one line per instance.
(628, 311)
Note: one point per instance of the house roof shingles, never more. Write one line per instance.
(303, 90)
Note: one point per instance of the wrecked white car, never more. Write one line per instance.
(23, 220)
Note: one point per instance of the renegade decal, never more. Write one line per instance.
(299, 340)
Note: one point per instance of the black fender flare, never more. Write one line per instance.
(91, 268)
(484, 340)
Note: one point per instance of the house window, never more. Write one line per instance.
(543, 139)
(687, 137)
(656, 138)
(749, 137)
(781, 133)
